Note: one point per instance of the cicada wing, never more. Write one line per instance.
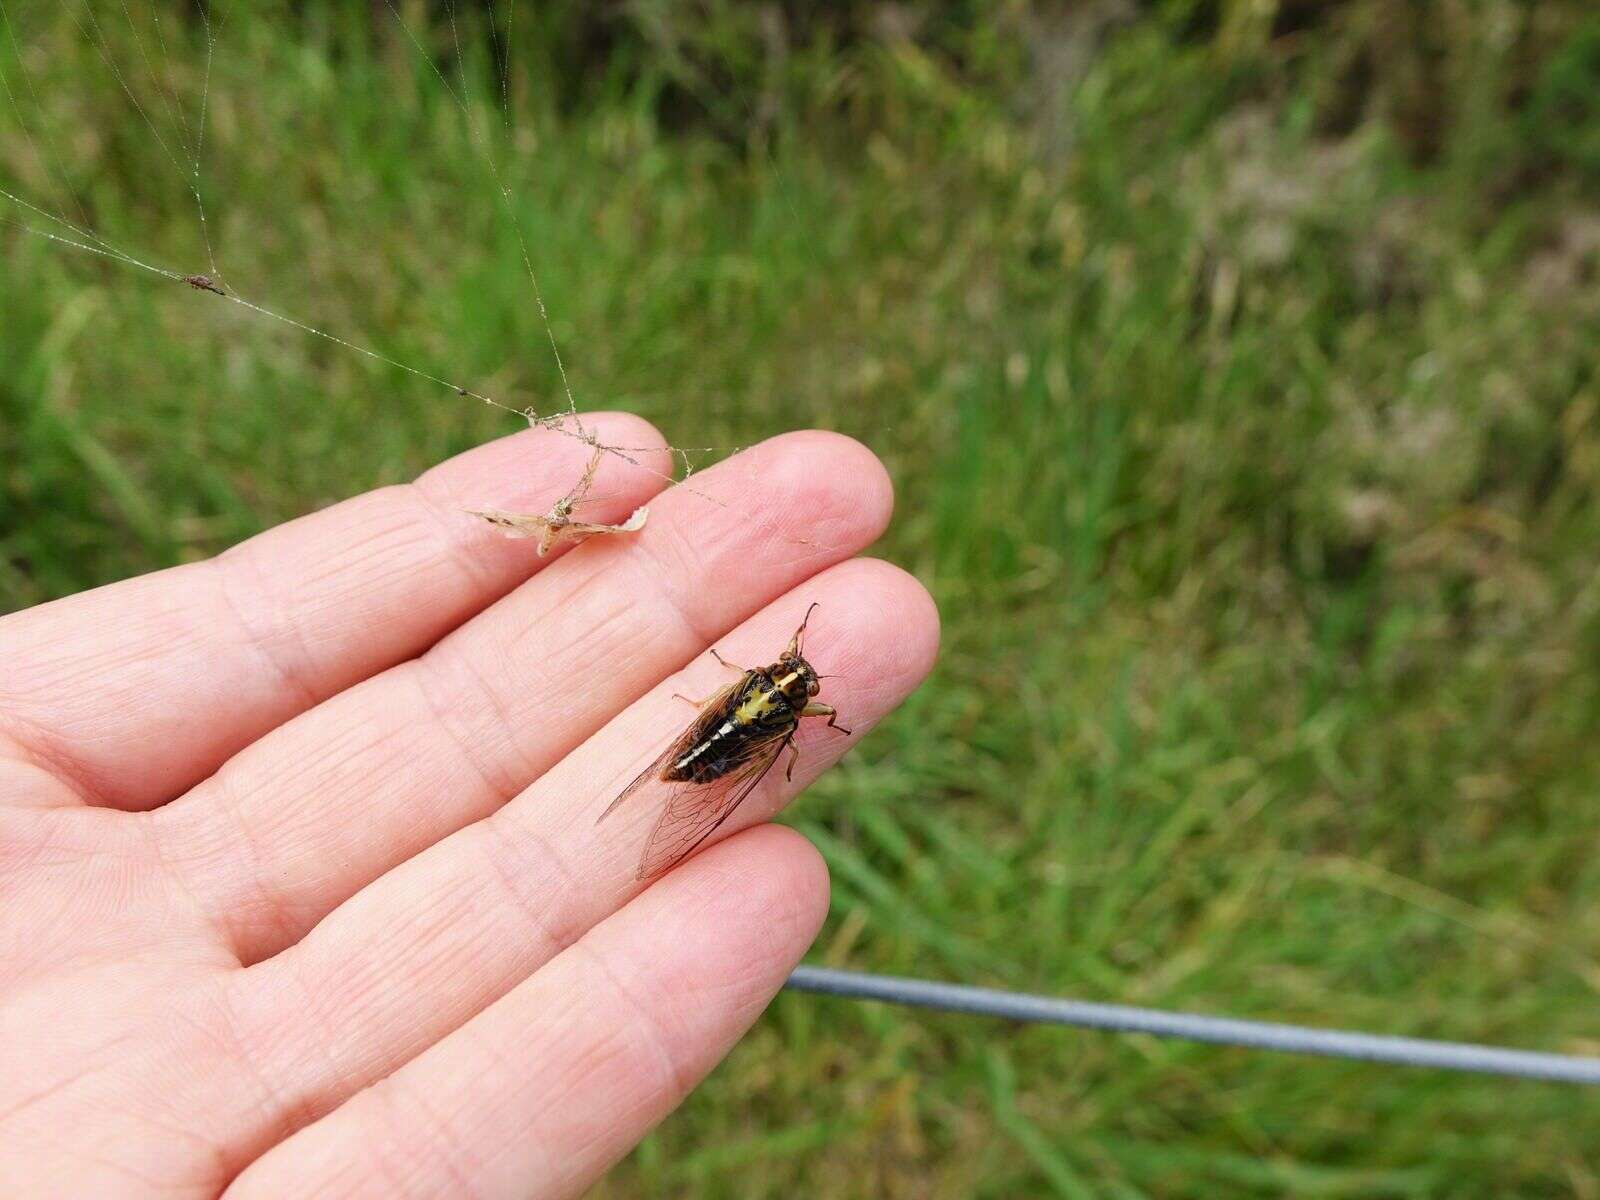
(696, 810)
(679, 744)
(708, 711)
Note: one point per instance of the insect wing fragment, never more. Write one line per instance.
(632, 525)
(514, 525)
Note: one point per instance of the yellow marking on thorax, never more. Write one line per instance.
(760, 704)
(787, 680)
(756, 706)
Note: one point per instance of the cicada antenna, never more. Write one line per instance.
(796, 642)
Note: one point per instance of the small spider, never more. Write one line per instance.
(204, 283)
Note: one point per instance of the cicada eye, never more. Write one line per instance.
(813, 686)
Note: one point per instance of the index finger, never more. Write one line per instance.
(137, 691)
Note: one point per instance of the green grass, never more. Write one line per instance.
(1244, 413)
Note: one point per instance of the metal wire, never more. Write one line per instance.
(1259, 1035)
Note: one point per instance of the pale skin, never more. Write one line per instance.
(301, 889)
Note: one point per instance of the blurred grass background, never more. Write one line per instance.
(1236, 364)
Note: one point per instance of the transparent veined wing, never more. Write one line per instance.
(695, 810)
(710, 713)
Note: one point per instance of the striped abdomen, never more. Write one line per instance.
(729, 734)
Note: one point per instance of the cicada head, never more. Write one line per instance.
(799, 680)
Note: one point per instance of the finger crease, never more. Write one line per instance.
(213, 920)
(293, 672)
(280, 1110)
(657, 571)
(505, 843)
(421, 671)
(312, 1104)
(655, 1032)
(450, 1151)
(42, 750)
(268, 894)
(478, 574)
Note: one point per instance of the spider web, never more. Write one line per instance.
(179, 132)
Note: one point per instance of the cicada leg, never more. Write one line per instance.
(702, 703)
(724, 662)
(817, 709)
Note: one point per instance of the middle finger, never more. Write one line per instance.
(306, 817)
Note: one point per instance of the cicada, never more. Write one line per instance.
(727, 750)
(557, 525)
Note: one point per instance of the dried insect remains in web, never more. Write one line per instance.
(557, 525)
(183, 144)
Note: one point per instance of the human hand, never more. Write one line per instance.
(301, 887)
